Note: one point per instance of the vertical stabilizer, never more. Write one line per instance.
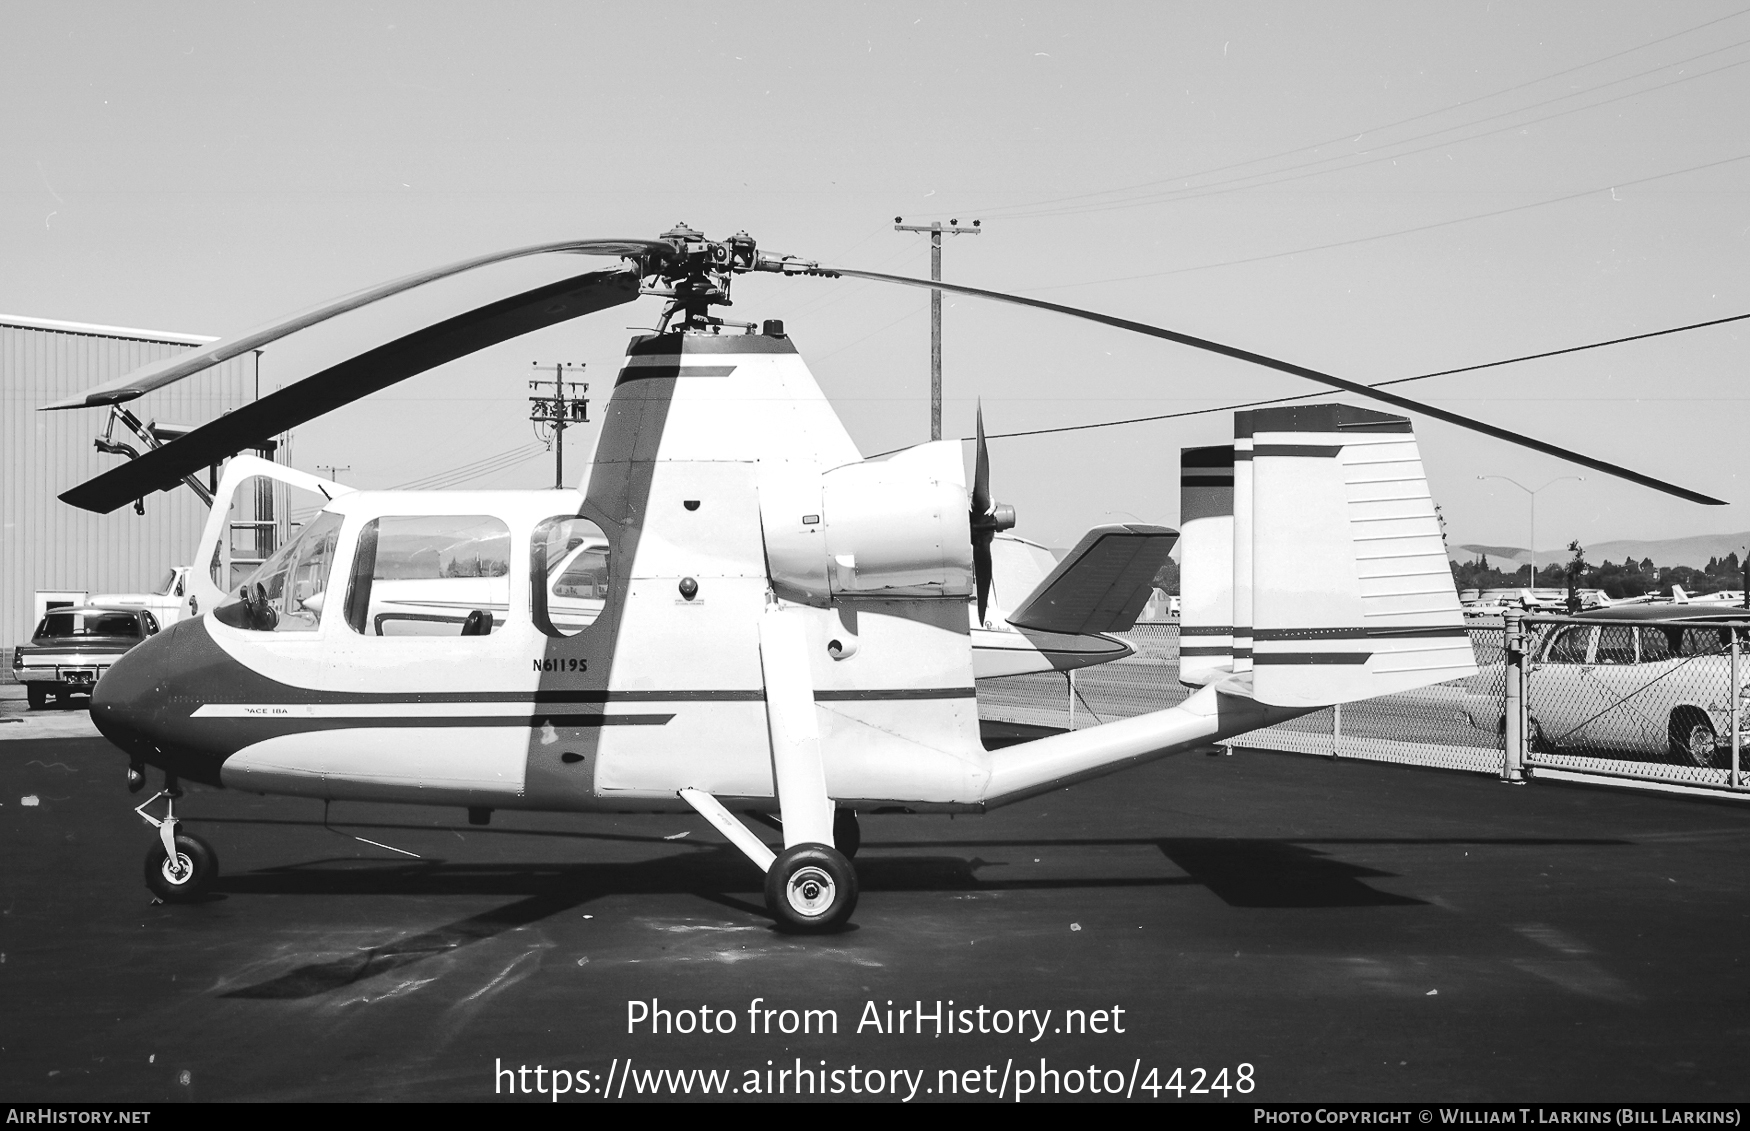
(1206, 570)
(1352, 595)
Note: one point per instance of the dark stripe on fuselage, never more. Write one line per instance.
(654, 372)
(278, 725)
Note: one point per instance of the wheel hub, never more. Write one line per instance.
(178, 870)
(810, 891)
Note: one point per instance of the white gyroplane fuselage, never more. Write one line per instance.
(737, 612)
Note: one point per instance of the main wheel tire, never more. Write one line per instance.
(195, 868)
(1692, 737)
(37, 694)
(847, 835)
(811, 888)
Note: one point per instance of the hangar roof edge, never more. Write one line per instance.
(92, 330)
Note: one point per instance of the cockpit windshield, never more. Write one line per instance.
(285, 593)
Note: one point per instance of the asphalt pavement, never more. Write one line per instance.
(1342, 930)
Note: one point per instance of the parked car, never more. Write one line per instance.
(169, 602)
(1621, 685)
(72, 648)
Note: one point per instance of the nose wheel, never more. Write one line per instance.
(179, 866)
(184, 876)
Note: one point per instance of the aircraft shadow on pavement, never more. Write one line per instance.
(1242, 872)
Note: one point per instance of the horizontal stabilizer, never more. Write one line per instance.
(1102, 584)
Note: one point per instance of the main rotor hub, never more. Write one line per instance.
(695, 275)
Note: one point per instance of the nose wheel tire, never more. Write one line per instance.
(188, 875)
(811, 888)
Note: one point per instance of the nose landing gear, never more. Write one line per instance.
(179, 865)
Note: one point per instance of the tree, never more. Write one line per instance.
(1575, 571)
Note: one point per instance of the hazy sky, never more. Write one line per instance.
(1252, 173)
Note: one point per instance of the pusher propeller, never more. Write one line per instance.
(987, 518)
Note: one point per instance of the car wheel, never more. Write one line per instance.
(37, 694)
(1692, 738)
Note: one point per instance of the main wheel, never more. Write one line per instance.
(811, 887)
(1692, 737)
(847, 835)
(186, 877)
(37, 694)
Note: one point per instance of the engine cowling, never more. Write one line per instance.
(890, 527)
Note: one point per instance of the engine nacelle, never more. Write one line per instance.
(890, 527)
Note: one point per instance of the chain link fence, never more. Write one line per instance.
(1454, 725)
(1652, 697)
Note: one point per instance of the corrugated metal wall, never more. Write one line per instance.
(46, 544)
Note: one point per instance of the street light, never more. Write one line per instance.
(1533, 494)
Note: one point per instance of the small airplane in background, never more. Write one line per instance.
(737, 613)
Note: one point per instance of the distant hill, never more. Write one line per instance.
(1693, 551)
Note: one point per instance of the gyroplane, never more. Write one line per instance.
(736, 612)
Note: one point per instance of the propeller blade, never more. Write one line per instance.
(143, 380)
(359, 376)
(981, 470)
(981, 567)
(1238, 354)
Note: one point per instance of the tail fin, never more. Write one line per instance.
(1206, 571)
(1349, 587)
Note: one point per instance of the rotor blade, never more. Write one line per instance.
(161, 373)
(981, 568)
(359, 376)
(981, 470)
(1498, 433)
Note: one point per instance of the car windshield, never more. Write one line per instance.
(165, 586)
(63, 625)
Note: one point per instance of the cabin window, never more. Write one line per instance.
(286, 592)
(568, 575)
(430, 575)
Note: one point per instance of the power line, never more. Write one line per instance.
(1399, 232)
(1294, 173)
(1376, 385)
(1357, 134)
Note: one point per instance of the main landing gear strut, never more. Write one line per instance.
(179, 865)
(810, 887)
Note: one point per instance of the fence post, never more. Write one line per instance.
(1732, 697)
(1336, 730)
(1513, 699)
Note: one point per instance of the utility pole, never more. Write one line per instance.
(333, 470)
(936, 229)
(564, 406)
